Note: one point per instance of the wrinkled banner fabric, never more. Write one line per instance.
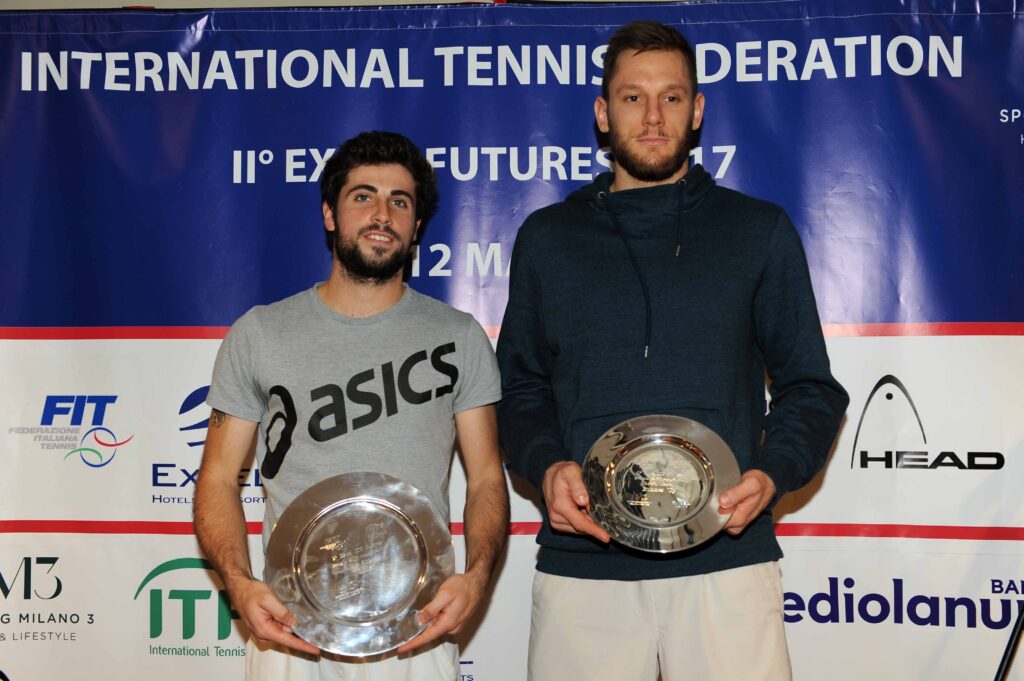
(160, 178)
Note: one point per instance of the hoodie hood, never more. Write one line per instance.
(683, 194)
(646, 211)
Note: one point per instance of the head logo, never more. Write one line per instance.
(191, 601)
(98, 458)
(898, 417)
(189, 406)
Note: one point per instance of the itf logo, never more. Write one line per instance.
(194, 604)
(890, 434)
(193, 407)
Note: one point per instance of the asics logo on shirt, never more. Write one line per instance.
(375, 393)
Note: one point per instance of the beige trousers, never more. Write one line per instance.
(723, 626)
(274, 663)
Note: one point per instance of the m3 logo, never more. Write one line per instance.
(36, 577)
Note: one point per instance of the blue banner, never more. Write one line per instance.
(160, 168)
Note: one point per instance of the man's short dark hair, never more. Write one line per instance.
(373, 149)
(647, 36)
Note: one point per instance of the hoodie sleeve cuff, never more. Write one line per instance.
(543, 456)
(781, 470)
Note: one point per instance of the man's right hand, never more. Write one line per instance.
(267, 617)
(567, 501)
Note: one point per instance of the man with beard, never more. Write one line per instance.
(654, 291)
(358, 373)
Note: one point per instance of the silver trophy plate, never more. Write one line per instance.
(654, 482)
(355, 558)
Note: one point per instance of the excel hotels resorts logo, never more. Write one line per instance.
(195, 416)
(891, 435)
(172, 479)
(188, 615)
(76, 425)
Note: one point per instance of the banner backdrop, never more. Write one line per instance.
(160, 177)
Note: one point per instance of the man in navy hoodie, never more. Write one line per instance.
(655, 291)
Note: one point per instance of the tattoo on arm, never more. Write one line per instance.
(217, 418)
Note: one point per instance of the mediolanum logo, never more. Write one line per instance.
(183, 602)
(842, 600)
(891, 434)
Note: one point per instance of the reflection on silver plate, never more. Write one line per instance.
(355, 558)
(654, 482)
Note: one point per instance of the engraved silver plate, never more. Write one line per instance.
(355, 557)
(654, 482)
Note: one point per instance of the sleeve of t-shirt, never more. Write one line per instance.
(235, 389)
(479, 382)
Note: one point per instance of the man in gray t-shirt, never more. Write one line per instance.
(358, 373)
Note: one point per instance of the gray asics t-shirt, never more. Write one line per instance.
(335, 394)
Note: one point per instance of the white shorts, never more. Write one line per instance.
(723, 626)
(275, 663)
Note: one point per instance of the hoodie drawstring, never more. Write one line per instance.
(636, 268)
(679, 212)
(603, 198)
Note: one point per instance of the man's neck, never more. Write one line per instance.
(354, 298)
(624, 180)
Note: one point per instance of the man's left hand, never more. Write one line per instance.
(746, 500)
(454, 603)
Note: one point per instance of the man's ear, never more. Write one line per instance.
(698, 110)
(601, 114)
(328, 217)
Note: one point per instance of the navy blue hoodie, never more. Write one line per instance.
(682, 307)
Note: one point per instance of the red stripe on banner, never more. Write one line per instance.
(925, 329)
(218, 332)
(112, 332)
(160, 527)
(513, 528)
(531, 528)
(104, 527)
(900, 531)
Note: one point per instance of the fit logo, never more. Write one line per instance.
(192, 604)
(36, 579)
(76, 407)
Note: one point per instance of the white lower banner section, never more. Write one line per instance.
(904, 560)
(928, 609)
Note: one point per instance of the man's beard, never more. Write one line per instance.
(657, 169)
(367, 271)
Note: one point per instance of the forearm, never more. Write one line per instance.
(486, 518)
(807, 402)
(529, 437)
(527, 416)
(221, 530)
